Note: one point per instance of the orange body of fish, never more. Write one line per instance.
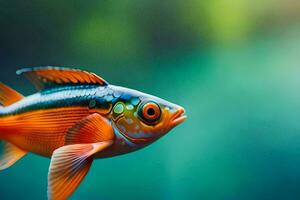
(76, 117)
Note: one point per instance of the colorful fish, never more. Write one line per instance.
(76, 117)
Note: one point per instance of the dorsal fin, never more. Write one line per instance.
(50, 77)
(8, 95)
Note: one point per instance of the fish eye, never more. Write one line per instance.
(150, 112)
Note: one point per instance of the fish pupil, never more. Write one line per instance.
(151, 112)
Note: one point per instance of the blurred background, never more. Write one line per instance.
(233, 64)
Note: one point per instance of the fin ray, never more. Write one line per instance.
(8, 95)
(69, 165)
(10, 155)
(93, 128)
(50, 77)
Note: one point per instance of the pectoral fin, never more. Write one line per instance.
(9, 154)
(70, 163)
(93, 128)
(68, 167)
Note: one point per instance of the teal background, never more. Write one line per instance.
(234, 65)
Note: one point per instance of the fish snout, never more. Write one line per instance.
(178, 117)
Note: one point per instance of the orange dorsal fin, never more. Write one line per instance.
(9, 155)
(68, 167)
(93, 128)
(8, 95)
(49, 77)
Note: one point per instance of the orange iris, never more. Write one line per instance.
(151, 112)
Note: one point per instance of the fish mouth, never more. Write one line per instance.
(178, 117)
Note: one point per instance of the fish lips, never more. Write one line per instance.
(178, 117)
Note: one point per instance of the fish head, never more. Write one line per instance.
(144, 118)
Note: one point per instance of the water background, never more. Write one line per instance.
(234, 65)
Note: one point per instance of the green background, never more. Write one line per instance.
(233, 64)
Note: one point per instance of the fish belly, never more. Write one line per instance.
(41, 131)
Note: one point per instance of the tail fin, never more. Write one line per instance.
(9, 153)
(8, 95)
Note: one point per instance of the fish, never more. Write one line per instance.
(76, 117)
